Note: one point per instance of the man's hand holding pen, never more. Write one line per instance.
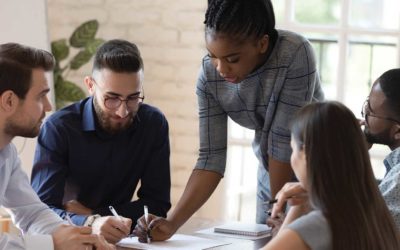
(112, 228)
(157, 228)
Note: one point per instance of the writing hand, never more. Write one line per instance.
(112, 228)
(71, 237)
(276, 223)
(293, 193)
(160, 228)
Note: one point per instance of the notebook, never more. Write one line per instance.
(243, 229)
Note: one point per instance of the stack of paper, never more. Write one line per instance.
(177, 241)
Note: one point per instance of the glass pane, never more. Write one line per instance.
(279, 9)
(249, 191)
(368, 58)
(326, 52)
(232, 178)
(235, 130)
(241, 176)
(375, 13)
(317, 11)
(238, 132)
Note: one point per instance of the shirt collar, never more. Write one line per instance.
(392, 159)
(88, 116)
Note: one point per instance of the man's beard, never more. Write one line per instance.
(15, 129)
(379, 138)
(105, 120)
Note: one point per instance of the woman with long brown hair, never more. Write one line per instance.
(336, 204)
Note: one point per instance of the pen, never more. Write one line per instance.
(146, 217)
(270, 202)
(69, 220)
(114, 212)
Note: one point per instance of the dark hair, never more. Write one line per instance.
(16, 64)
(390, 84)
(340, 179)
(241, 18)
(119, 56)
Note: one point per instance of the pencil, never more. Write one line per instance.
(270, 202)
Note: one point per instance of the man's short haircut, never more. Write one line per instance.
(119, 56)
(16, 64)
(390, 84)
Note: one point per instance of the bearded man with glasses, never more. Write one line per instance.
(94, 153)
(381, 113)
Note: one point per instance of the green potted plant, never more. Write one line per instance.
(82, 39)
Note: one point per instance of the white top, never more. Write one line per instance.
(27, 211)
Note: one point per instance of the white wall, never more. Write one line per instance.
(25, 22)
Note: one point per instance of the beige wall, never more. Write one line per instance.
(170, 35)
(24, 22)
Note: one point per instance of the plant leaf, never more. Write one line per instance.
(67, 91)
(60, 104)
(60, 49)
(93, 45)
(84, 33)
(80, 59)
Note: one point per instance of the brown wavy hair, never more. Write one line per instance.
(340, 179)
(16, 64)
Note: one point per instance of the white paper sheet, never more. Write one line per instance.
(177, 241)
(210, 231)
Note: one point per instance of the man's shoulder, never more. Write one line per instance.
(391, 181)
(151, 112)
(8, 151)
(68, 113)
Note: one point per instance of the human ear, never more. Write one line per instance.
(89, 84)
(302, 152)
(263, 43)
(397, 132)
(9, 101)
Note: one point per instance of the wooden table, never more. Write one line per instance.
(195, 224)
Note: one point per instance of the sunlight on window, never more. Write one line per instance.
(368, 58)
(375, 13)
(317, 11)
(326, 53)
(241, 174)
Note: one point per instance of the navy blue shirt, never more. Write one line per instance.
(76, 159)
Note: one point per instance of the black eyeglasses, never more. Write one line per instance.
(116, 101)
(366, 111)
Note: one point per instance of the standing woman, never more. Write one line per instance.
(259, 77)
(330, 159)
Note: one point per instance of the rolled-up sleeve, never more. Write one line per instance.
(212, 130)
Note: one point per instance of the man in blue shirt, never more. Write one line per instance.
(381, 113)
(92, 154)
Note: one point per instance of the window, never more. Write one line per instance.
(355, 41)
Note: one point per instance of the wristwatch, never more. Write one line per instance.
(90, 220)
